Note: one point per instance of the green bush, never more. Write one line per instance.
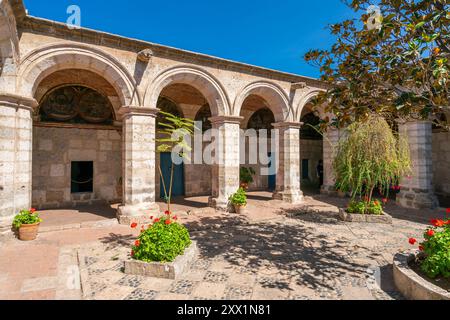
(436, 249)
(239, 198)
(370, 155)
(246, 175)
(26, 217)
(163, 241)
(364, 207)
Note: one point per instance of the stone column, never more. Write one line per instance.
(417, 191)
(225, 171)
(288, 176)
(330, 142)
(16, 134)
(138, 164)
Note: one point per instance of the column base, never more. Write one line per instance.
(6, 228)
(141, 213)
(289, 196)
(417, 199)
(220, 204)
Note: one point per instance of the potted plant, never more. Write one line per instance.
(163, 249)
(425, 273)
(239, 201)
(370, 155)
(246, 177)
(27, 223)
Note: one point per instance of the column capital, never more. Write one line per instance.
(17, 101)
(127, 111)
(226, 119)
(288, 125)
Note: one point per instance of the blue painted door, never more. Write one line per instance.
(178, 176)
(272, 178)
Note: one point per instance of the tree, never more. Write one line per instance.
(394, 62)
(370, 156)
(173, 131)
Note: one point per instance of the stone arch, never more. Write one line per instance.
(275, 97)
(46, 60)
(205, 83)
(304, 100)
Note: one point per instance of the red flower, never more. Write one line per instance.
(421, 248)
(157, 220)
(137, 243)
(134, 225)
(385, 200)
(32, 210)
(168, 221)
(448, 210)
(438, 223)
(376, 202)
(167, 213)
(430, 233)
(151, 217)
(412, 241)
(175, 218)
(132, 253)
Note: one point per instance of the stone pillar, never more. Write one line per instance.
(288, 176)
(330, 142)
(138, 164)
(16, 134)
(225, 171)
(417, 190)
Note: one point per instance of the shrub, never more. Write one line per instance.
(162, 241)
(364, 207)
(435, 258)
(239, 198)
(26, 217)
(246, 175)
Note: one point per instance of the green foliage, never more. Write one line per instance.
(173, 139)
(246, 175)
(26, 217)
(364, 207)
(239, 198)
(162, 242)
(400, 70)
(436, 248)
(370, 155)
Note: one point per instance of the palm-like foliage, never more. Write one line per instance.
(172, 134)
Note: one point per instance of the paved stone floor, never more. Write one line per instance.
(276, 252)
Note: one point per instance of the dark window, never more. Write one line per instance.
(262, 120)
(203, 116)
(82, 177)
(311, 124)
(305, 169)
(76, 104)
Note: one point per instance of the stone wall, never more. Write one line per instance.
(441, 163)
(53, 151)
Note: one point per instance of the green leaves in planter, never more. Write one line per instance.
(239, 198)
(26, 217)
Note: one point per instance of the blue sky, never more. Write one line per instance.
(267, 33)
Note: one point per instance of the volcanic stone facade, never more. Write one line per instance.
(40, 55)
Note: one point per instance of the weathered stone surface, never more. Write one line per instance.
(412, 285)
(170, 270)
(368, 218)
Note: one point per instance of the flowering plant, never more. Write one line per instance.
(435, 257)
(162, 241)
(26, 217)
(239, 198)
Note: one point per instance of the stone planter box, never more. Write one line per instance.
(411, 284)
(170, 270)
(367, 218)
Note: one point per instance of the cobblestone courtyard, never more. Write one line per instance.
(294, 253)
